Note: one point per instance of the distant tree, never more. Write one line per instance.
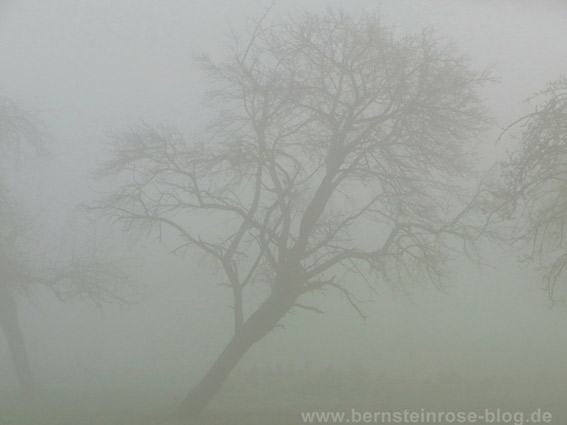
(340, 153)
(535, 184)
(21, 267)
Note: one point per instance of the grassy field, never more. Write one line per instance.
(279, 399)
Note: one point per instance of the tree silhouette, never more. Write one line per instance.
(22, 266)
(340, 153)
(535, 184)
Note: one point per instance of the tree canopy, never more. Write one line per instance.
(535, 176)
(337, 146)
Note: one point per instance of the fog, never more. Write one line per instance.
(489, 338)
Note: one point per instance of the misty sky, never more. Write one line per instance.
(91, 68)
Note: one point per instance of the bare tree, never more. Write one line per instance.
(535, 184)
(340, 153)
(18, 131)
(22, 266)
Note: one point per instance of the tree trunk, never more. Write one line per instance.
(13, 333)
(258, 325)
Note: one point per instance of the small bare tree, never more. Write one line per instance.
(535, 184)
(340, 153)
(21, 271)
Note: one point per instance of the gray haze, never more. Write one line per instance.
(91, 69)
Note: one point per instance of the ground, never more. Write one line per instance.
(279, 398)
